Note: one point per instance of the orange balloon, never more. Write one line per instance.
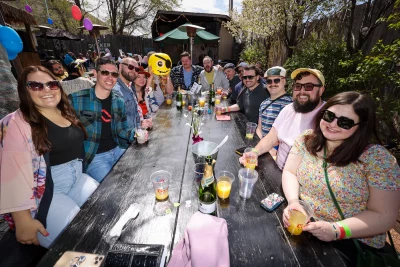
(76, 12)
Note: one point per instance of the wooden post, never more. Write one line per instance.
(29, 32)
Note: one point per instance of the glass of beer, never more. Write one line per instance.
(160, 180)
(300, 213)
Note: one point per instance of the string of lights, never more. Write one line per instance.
(169, 21)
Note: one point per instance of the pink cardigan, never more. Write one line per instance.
(205, 243)
(22, 170)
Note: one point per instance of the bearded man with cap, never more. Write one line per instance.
(295, 118)
(233, 78)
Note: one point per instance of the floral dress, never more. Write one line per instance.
(377, 168)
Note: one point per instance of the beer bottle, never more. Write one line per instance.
(208, 189)
(179, 99)
(211, 95)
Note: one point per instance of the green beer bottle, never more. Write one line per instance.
(211, 95)
(208, 189)
(179, 99)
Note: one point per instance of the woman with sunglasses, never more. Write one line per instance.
(41, 151)
(145, 94)
(364, 177)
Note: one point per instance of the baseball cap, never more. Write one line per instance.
(229, 66)
(275, 71)
(315, 72)
(241, 64)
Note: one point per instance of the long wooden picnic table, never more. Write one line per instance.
(256, 237)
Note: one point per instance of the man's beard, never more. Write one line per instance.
(127, 77)
(306, 107)
(209, 70)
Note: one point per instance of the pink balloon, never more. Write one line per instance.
(28, 8)
(76, 12)
(87, 24)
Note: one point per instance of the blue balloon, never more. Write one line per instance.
(50, 21)
(11, 56)
(11, 41)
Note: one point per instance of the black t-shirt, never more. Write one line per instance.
(249, 101)
(66, 143)
(106, 141)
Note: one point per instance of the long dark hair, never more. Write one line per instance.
(352, 148)
(32, 115)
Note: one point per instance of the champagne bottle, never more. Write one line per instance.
(179, 99)
(211, 95)
(208, 189)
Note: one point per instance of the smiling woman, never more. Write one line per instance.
(42, 184)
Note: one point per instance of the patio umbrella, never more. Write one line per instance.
(47, 32)
(180, 36)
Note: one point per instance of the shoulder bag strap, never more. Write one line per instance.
(273, 102)
(324, 165)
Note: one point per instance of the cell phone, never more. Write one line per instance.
(81, 259)
(271, 202)
(240, 151)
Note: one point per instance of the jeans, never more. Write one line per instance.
(102, 163)
(71, 189)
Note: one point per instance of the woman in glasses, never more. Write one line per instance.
(41, 151)
(145, 94)
(364, 177)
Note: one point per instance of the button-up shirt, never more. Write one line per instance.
(177, 76)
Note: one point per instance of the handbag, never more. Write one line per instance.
(366, 257)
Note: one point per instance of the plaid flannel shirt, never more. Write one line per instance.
(177, 76)
(88, 111)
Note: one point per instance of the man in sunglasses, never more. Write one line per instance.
(295, 118)
(251, 96)
(128, 70)
(270, 107)
(102, 112)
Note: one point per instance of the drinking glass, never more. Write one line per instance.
(224, 183)
(160, 180)
(300, 212)
(250, 129)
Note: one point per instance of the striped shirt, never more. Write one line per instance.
(268, 112)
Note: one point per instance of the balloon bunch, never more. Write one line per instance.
(11, 41)
(77, 15)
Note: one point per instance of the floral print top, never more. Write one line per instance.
(23, 171)
(378, 168)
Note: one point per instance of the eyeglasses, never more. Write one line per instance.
(106, 73)
(249, 77)
(38, 86)
(307, 86)
(276, 81)
(131, 67)
(342, 122)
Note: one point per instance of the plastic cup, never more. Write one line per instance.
(251, 158)
(218, 110)
(248, 179)
(250, 129)
(202, 101)
(160, 180)
(219, 90)
(142, 136)
(217, 99)
(184, 97)
(300, 212)
(224, 183)
(168, 99)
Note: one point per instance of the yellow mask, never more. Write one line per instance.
(160, 64)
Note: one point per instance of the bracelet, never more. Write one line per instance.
(255, 151)
(346, 228)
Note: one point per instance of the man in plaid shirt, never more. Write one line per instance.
(102, 112)
(186, 74)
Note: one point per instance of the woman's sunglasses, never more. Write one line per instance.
(131, 67)
(342, 122)
(307, 86)
(38, 86)
(276, 81)
(106, 73)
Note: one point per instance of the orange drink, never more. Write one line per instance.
(299, 212)
(251, 158)
(224, 184)
(168, 99)
(217, 99)
(202, 101)
(219, 91)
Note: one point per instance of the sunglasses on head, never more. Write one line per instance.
(249, 77)
(38, 86)
(307, 86)
(131, 67)
(106, 73)
(342, 122)
(276, 80)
